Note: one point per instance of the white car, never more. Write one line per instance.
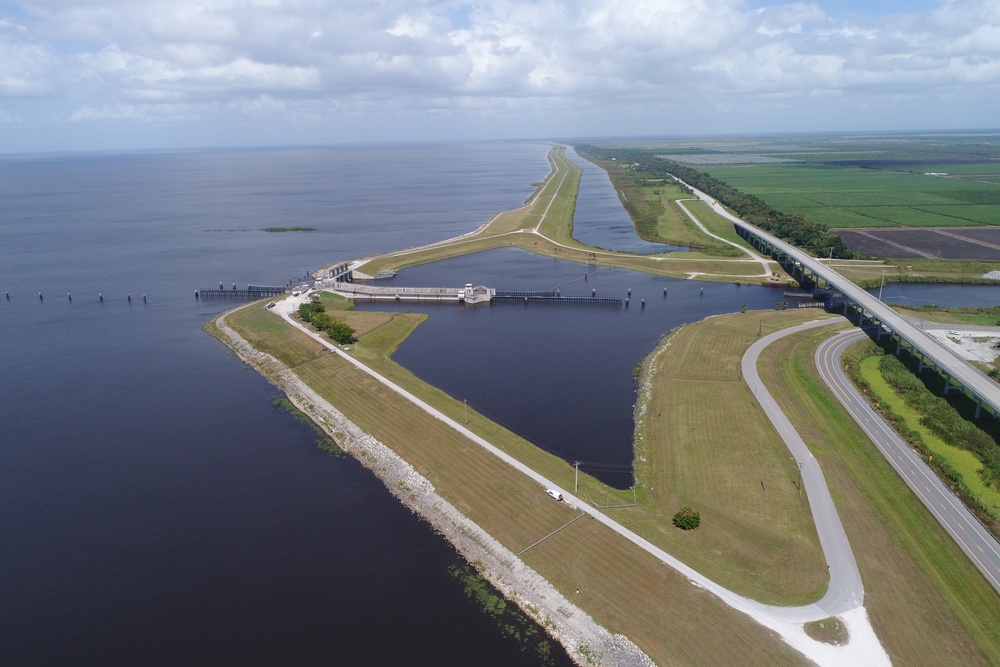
(555, 494)
(954, 333)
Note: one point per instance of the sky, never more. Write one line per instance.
(120, 74)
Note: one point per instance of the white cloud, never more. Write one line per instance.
(676, 64)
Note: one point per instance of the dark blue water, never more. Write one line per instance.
(154, 507)
(560, 375)
(600, 219)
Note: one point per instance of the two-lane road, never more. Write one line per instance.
(981, 547)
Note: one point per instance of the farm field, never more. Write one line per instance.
(868, 183)
(982, 243)
(852, 196)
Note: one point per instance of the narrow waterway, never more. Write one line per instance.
(601, 221)
(560, 375)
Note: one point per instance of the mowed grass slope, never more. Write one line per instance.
(928, 604)
(623, 587)
(706, 444)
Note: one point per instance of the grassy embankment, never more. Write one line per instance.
(756, 534)
(620, 585)
(551, 210)
(652, 205)
(906, 560)
(985, 316)
(928, 604)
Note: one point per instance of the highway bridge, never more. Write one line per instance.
(959, 374)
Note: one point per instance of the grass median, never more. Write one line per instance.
(927, 602)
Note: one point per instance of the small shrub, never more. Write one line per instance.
(687, 519)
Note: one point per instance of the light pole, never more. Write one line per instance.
(576, 482)
(466, 402)
(881, 286)
(800, 475)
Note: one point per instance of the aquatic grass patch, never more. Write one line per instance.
(512, 622)
(323, 440)
(288, 229)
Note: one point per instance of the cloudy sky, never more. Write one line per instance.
(175, 73)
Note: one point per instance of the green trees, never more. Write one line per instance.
(687, 519)
(338, 331)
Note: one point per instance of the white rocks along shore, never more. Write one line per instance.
(564, 621)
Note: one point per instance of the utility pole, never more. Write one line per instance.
(466, 402)
(881, 286)
(576, 482)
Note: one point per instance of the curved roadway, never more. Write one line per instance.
(981, 547)
(844, 595)
(845, 591)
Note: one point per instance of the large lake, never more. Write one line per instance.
(155, 507)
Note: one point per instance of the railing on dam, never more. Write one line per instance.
(547, 297)
(251, 293)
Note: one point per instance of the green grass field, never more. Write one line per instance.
(626, 589)
(928, 604)
(962, 460)
(849, 196)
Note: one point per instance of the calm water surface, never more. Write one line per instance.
(154, 507)
(600, 219)
(560, 375)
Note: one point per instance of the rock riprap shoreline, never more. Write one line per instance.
(584, 639)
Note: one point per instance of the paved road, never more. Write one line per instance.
(844, 597)
(981, 547)
(765, 263)
(970, 376)
(845, 591)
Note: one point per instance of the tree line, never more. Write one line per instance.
(813, 237)
(315, 314)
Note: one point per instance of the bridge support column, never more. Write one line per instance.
(979, 406)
